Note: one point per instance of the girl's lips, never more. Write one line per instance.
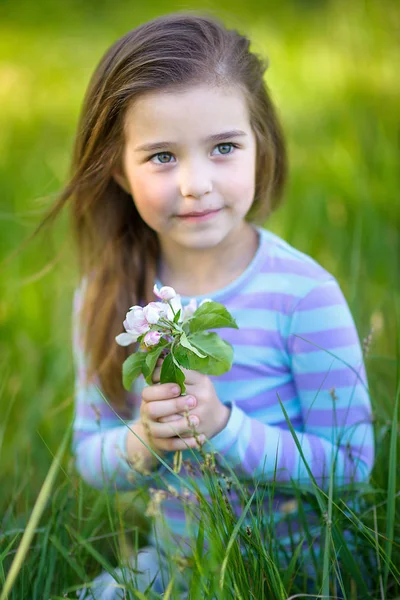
(195, 218)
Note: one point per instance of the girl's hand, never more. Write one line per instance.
(211, 414)
(164, 401)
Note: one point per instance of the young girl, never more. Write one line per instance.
(179, 154)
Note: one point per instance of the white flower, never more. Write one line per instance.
(135, 325)
(153, 312)
(173, 307)
(166, 293)
(189, 309)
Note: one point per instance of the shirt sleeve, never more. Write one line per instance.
(328, 371)
(99, 438)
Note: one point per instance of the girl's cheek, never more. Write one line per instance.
(153, 195)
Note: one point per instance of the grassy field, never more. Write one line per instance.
(334, 75)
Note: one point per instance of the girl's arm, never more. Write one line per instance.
(101, 444)
(328, 371)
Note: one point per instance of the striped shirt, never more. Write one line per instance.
(296, 348)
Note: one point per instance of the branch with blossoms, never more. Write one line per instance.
(164, 329)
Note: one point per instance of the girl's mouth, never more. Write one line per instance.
(196, 217)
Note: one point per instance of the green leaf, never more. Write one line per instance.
(219, 354)
(211, 315)
(189, 360)
(181, 356)
(132, 368)
(151, 360)
(176, 317)
(186, 344)
(171, 373)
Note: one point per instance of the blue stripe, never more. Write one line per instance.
(323, 361)
(274, 414)
(321, 319)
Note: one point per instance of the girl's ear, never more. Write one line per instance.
(122, 181)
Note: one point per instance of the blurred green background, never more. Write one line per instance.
(334, 74)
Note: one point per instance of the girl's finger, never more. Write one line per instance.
(171, 418)
(156, 375)
(164, 391)
(175, 443)
(165, 408)
(174, 428)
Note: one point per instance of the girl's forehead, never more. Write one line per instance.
(197, 108)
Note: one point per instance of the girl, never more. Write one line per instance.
(178, 156)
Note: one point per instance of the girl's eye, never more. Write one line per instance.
(163, 158)
(226, 148)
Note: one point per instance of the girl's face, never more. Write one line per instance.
(189, 162)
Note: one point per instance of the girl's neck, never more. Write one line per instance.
(195, 272)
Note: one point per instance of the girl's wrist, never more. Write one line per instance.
(225, 413)
(136, 448)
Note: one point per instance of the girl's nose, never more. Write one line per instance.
(195, 181)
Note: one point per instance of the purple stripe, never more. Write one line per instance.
(175, 513)
(326, 381)
(364, 453)
(99, 411)
(275, 301)
(250, 372)
(318, 458)
(268, 398)
(287, 458)
(296, 422)
(78, 436)
(341, 417)
(327, 340)
(322, 296)
(254, 452)
(81, 375)
(254, 337)
(350, 469)
(133, 400)
(95, 456)
(295, 267)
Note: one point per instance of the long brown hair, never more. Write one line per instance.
(117, 251)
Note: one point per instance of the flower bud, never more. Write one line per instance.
(152, 338)
(165, 293)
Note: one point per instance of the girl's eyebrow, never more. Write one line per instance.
(217, 137)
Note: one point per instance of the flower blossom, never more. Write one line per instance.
(153, 311)
(166, 293)
(190, 308)
(135, 325)
(173, 307)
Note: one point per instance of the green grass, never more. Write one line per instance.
(334, 76)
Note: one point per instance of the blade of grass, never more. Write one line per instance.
(328, 539)
(232, 540)
(337, 534)
(37, 511)
(3, 555)
(391, 493)
(96, 555)
(68, 558)
(292, 565)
